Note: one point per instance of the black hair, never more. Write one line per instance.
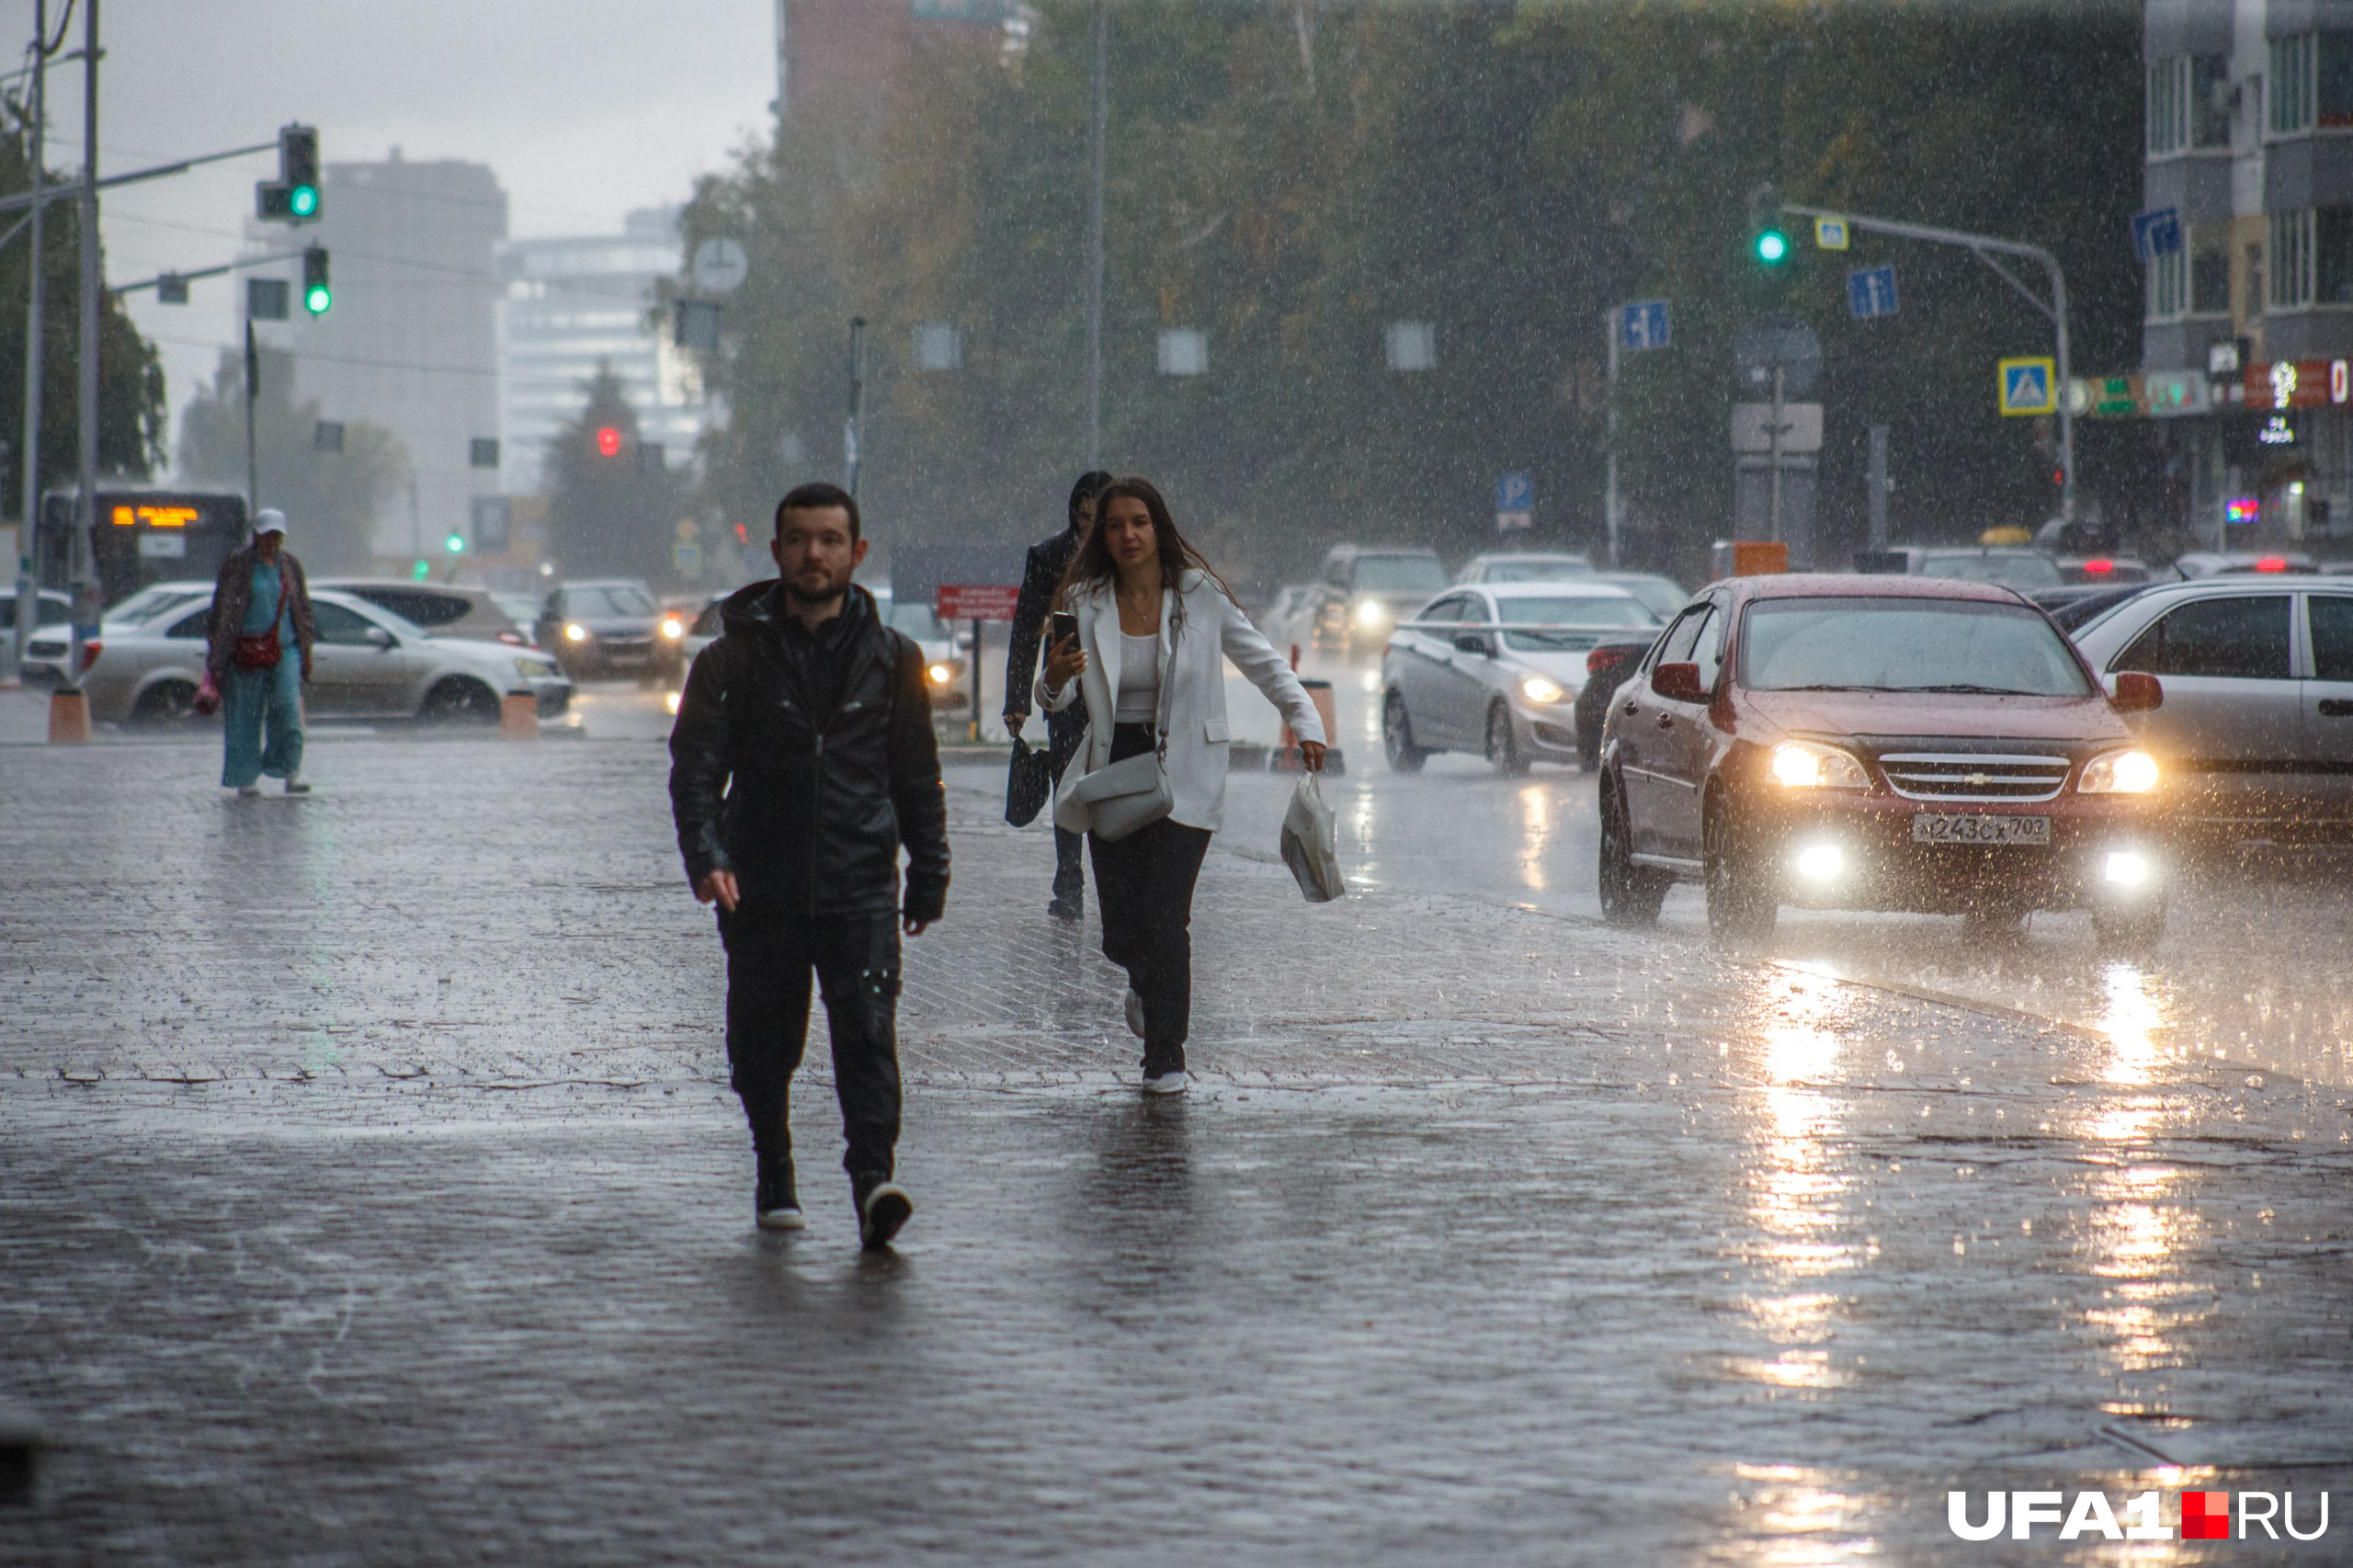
(816, 498)
(1091, 484)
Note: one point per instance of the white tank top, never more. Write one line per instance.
(1139, 698)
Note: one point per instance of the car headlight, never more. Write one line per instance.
(2118, 773)
(1372, 612)
(1537, 689)
(673, 628)
(1803, 765)
(941, 672)
(530, 669)
(574, 632)
(672, 701)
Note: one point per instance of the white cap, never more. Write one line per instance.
(269, 521)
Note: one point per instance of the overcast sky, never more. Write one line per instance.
(583, 108)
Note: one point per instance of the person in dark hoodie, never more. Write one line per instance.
(1041, 576)
(802, 763)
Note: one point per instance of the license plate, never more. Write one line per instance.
(1964, 827)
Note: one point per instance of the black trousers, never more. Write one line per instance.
(1064, 733)
(855, 959)
(1144, 891)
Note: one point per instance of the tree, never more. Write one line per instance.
(329, 499)
(611, 513)
(131, 377)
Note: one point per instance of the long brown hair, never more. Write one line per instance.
(1091, 565)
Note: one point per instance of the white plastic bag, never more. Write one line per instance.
(1310, 843)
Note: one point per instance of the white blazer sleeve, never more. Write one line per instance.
(1269, 672)
(1053, 701)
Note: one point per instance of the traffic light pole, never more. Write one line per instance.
(1984, 247)
(1610, 441)
(856, 439)
(86, 499)
(36, 305)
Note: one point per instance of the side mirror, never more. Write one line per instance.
(379, 639)
(2137, 691)
(1474, 643)
(1678, 683)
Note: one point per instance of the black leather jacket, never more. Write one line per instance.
(810, 810)
(1041, 574)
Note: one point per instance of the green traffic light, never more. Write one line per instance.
(304, 200)
(1772, 248)
(455, 544)
(424, 569)
(316, 299)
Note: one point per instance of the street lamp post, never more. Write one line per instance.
(36, 303)
(1096, 115)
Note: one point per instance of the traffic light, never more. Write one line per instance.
(609, 441)
(316, 295)
(293, 196)
(455, 544)
(297, 168)
(1767, 241)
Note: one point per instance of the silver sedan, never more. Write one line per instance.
(1495, 669)
(2257, 729)
(368, 663)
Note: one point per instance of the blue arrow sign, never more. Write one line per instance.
(1643, 325)
(2156, 234)
(1870, 291)
(1515, 492)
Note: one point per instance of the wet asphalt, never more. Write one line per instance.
(372, 1195)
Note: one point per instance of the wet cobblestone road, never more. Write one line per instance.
(369, 1193)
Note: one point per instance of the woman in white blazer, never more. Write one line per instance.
(1155, 628)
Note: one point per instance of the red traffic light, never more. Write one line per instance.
(609, 441)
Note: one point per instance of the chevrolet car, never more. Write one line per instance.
(1879, 742)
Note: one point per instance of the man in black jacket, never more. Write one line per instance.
(802, 762)
(1040, 576)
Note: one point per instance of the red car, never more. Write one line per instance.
(1878, 743)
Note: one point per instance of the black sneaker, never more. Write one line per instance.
(774, 1205)
(881, 1213)
(1068, 909)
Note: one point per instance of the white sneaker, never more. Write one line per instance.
(1135, 1015)
(1168, 1083)
(787, 1219)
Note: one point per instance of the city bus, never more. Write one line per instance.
(141, 535)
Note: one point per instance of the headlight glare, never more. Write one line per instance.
(1802, 765)
(2118, 773)
(673, 628)
(941, 674)
(1538, 688)
(574, 632)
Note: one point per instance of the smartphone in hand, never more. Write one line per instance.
(1066, 627)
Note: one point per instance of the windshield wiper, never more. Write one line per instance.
(1965, 686)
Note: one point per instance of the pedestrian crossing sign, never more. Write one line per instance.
(2029, 386)
(1830, 233)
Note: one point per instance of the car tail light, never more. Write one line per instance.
(90, 651)
(2271, 564)
(514, 638)
(2100, 567)
(1602, 659)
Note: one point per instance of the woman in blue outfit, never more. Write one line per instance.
(258, 658)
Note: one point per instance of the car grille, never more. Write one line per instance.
(1978, 776)
(626, 645)
(46, 649)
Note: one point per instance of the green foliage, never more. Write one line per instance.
(1290, 179)
(131, 377)
(609, 516)
(329, 499)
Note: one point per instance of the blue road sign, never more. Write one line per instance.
(2156, 234)
(1643, 325)
(2028, 386)
(1515, 492)
(1870, 291)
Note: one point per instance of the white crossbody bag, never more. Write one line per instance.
(1134, 793)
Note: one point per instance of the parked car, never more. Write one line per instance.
(1661, 595)
(1879, 742)
(368, 663)
(611, 627)
(50, 607)
(2245, 562)
(2257, 727)
(1523, 567)
(1607, 666)
(523, 610)
(2080, 603)
(945, 656)
(2015, 567)
(1494, 669)
(1361, 592)
(442, 608)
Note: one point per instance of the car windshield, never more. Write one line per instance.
(1905, 645)
(618, 599)
(1536, 569)
(916, 621)
(1660, 595)
(2010, 571)
(149, 602)
(1398, 574)
(1569, 621)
